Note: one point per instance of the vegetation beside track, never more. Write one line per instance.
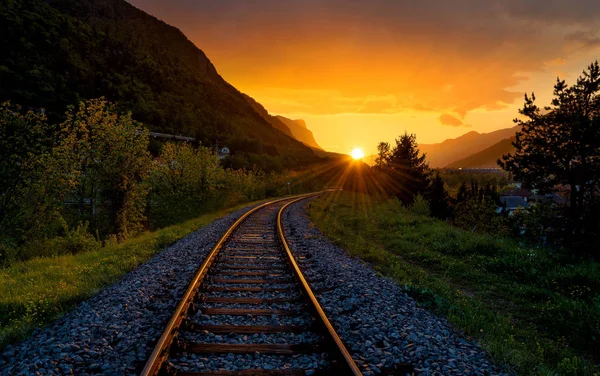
(533, 310)
(37, 291)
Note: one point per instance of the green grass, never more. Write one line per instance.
(36, 292)
(532, 310)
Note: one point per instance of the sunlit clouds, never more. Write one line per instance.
(436, 68)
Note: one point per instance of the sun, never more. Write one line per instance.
(357, 153)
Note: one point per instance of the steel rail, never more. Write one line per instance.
(343, 352)
(161, 349)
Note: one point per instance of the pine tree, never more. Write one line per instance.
(438, 197)
(560, 145)
(409, 168)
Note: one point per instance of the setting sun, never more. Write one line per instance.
(357, 153)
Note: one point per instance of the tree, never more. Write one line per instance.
(462, 194)
(182, 181)
(560, 145)
(36, 173)
(111, 152)
(383, 154)
(409, 168)
(438, 197)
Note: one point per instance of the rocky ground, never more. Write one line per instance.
(381, 325)
(114, 332)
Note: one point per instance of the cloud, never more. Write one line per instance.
(383, 56)
(450, 120)
(585, 40)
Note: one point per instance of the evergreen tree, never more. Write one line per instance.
(560, 146)
(463, 193)
(383, 154)
(438, 197)
(409, 168)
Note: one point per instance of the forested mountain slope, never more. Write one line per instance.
(57, 52)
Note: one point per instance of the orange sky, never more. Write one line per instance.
(360, 72)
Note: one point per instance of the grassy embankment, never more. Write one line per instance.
(35, 292)
(532, 310)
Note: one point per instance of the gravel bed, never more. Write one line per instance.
(292, 294)
(302, 319)
(279, 338)
(115, 331)
(308, 362)
(284, 306)
(379, 323)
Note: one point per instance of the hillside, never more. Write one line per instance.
(300, 131)
(486, 158)
(452, 150)
(274, 121)
(57, 52)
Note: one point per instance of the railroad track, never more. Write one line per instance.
(250, 311)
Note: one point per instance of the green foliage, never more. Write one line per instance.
(183, 179)
(420, 206)
(480, 214)
(36, 174)
(533, 310)
(539, 224)
(72, 241)
(111, 153)
(186, 181)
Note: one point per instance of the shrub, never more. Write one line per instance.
(476, 214)
(74, 241)
(420, 206)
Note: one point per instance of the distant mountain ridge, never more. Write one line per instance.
(293, 128)
(58, 52)
(452, 150)
(300, 131)
(487, 158)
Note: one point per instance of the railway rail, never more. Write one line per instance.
(249, 298)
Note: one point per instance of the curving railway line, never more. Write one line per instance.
(249, 299)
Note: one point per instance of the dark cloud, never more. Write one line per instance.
(450, 120)
(583, 39)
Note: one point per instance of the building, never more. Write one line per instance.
(512, 203)
(223, 152)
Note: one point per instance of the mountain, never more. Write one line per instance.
(487, 157)
(293, 128)
(58, 52)
(274, 121)
(452, 150)
(300, 131)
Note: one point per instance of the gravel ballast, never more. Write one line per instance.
(380, 324)
(114, 332)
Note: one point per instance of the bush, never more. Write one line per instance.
(480, 215)
(420, 206)
(74, 241)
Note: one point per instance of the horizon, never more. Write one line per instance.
(377, 69)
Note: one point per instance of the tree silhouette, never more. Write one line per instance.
(383, 154)
(438, 197)
(560, 145)
(408, 168)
